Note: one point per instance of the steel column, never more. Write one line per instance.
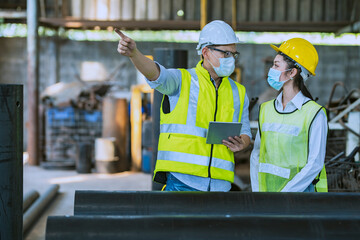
(33, 82)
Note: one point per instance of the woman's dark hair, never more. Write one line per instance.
(298, 80)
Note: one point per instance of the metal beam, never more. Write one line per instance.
(352, 28)
(193, 25)
(203, 13)
(11, 165)
(233, 14)
(203, 227)
(200, 203)
(12, 14)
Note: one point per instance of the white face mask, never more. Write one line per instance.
(274, 78)
(226, 68)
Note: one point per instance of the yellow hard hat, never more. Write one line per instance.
(301, 51)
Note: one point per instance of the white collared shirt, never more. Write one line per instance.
(317, 148)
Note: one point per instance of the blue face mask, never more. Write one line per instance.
(274, 78)
(226, 68)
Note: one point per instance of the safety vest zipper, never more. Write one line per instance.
(212, 145)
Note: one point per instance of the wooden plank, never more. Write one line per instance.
(266, 10)
(114, 9)
(178, 6)
(317, 12)
(153, 9)
(279, 10)
(254, 11)
(339, 9)
(197, 10)
(227, 11)
(292, 10)
(127, 10)
(215, 9)
(190, 9)
(165, 9)
(330, 10)
(305, 10)
(140, 9)
(90, 10)
(102, 9)
(241, 10)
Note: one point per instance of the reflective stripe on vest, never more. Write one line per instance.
(182, 142)
(200, 160)
(284, 144)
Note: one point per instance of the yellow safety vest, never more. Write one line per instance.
(284, 145)
(182, 142)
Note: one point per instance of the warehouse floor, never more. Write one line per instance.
(39, 179)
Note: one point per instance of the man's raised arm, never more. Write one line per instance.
(127, 47)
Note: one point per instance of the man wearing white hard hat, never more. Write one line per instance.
(197, 96)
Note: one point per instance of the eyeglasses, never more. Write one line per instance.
(227, 54)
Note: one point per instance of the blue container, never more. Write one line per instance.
(94, 116)
(61, 116)
(146, 160)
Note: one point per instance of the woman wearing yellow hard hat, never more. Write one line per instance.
(289, 149)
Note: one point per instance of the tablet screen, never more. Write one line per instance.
(219, 131)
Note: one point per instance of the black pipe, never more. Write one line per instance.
(204, 227)
(11, 161)
(216, 203)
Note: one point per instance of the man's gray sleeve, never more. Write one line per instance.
(168, 82)
(245, 129)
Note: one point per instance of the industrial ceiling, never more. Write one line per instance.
(337, 16)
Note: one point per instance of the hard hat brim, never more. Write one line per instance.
(275, 48)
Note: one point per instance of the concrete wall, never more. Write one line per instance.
(337, 63)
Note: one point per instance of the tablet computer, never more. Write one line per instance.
(219, 131)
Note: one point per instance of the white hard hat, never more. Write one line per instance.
(216, 33)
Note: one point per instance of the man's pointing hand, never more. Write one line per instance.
(127, 46)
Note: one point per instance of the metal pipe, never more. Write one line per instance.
(203, 227)
(215, 203)
(33, 82)
(347, 110)
(36, 209)
(29, 198)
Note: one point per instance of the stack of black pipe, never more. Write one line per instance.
(208, 215)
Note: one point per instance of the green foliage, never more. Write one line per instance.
(20, 30)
